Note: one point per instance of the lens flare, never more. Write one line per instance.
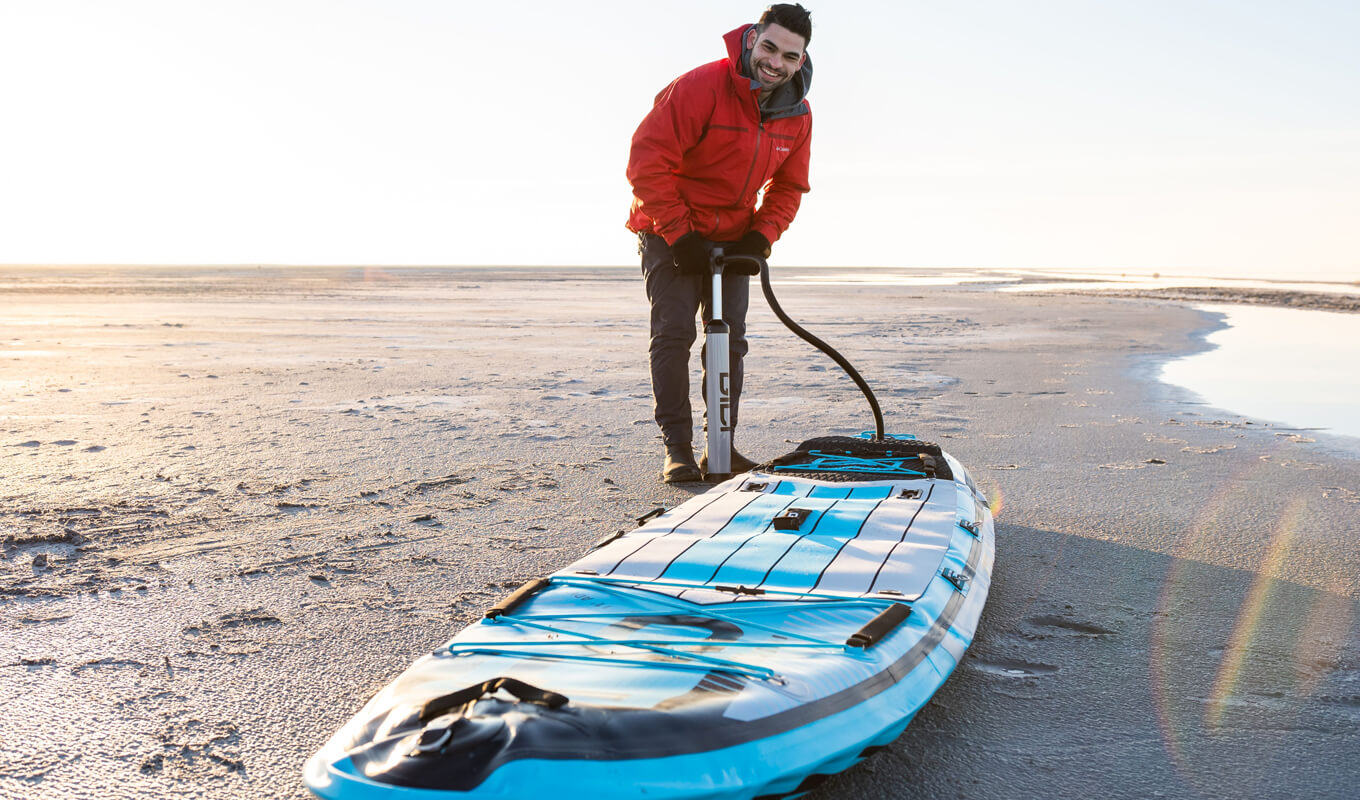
(1283, 646)
(1175, 667)
(1230, 668)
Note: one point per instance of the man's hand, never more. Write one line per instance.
(692, 254)
(753, 243)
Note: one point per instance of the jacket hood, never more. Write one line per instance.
(790, 99)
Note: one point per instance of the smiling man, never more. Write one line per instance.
(721, 159)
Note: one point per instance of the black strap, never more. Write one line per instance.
(880, 626)
(508, 604)
(650, 515)
(521, 690)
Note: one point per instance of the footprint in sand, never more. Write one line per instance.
(1342, 494)
(1346, 702)
(1068, 625)
(198, 749)
(1135, 464)
(1294, 437)
(1011, 668)
(107, 663)
(1289, 462)
(1156, 437)
(251, 617)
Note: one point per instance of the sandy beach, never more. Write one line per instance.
(238, 501)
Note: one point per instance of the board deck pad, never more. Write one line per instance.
(856, 541)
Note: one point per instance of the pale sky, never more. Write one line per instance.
(1193, 136)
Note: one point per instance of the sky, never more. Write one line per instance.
(1215, 137)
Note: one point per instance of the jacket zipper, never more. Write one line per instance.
(741, 198)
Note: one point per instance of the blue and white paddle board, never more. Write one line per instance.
(772, 631)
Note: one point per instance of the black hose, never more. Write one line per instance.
(810, 339)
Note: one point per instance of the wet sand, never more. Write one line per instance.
(239, 501)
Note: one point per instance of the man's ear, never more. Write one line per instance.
(751, 39)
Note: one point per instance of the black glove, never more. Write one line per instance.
(753, 243)
(691, 253)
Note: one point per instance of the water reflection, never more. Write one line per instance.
(1280, 364)
(1040, 281)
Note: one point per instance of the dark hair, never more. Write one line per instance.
(791, 16)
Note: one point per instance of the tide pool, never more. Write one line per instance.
(1283, 365)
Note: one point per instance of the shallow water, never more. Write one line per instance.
(1280, 364)
(888, 277)
(1030, 281)
(1035, 281)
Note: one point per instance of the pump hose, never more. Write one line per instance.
(810, 339)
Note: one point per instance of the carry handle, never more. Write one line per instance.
(463, 697)
(508, 604)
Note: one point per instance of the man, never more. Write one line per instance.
(721, 159)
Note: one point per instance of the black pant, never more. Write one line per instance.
(676, 298)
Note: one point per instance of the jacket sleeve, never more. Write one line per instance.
(674, 125)
(784, 192)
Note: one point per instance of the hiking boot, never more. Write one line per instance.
(740, 463)
(680, 466)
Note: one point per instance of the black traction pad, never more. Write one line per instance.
(925, 457)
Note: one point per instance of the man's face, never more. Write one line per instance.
(776, 54)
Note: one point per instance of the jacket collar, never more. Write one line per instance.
(789, 100)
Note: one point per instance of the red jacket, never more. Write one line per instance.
(703, 153)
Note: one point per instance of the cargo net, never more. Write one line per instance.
(849, 458)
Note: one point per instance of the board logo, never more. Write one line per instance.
(724, 401)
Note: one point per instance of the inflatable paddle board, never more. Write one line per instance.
(765, 634)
